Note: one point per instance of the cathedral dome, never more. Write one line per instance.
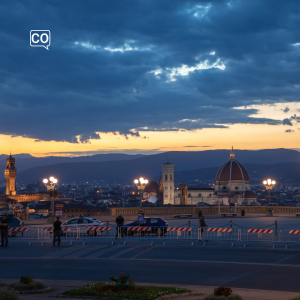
(232, 170)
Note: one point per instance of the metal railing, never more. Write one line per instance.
(228, 232)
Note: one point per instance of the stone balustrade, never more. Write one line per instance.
(205, 210)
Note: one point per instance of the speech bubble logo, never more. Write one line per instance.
(40, 38)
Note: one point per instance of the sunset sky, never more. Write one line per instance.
(141, 76)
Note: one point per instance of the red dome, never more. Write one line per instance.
(232, 170)
(151, 187)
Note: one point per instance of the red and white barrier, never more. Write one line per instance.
(98, 228)
(220, 229)
(179, 229)
(294, 231)
(139, 228)
(51, 228)
(260, 231)
(18, 229)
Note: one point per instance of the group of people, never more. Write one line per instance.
(120, 224)
(57, 229)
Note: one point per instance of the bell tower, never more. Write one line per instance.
(10, 174)
(168, 183)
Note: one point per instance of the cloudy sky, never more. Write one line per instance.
(149, 75)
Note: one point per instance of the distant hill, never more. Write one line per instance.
(26, 161)
(202, 164)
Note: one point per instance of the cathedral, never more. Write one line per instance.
(232, 185)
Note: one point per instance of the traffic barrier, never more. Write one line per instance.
(220, 229)
(294, 231)
(51, 228)
(260, 231)
(262, 235)
(290, 235)
(179, 229)
(218, 233)
(18, 229)
(141, 228)
(233, 234)
(98, 228)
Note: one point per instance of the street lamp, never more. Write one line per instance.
(140, 184)
(50, 185)
(269, 184)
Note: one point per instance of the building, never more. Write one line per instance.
(168, 183)
(11, 197)
(10, 174)
(233, 181)
(232, 185)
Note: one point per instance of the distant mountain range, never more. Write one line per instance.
(26, 161)
(189, 165)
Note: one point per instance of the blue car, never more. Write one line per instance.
(158, 226)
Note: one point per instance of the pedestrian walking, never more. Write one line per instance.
(4, 231)
(56, 232)
(202, 226)
(120, 229)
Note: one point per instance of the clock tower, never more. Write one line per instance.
(10, 174)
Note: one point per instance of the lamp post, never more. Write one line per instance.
(140, 184)
(269, 184)
(50, 185)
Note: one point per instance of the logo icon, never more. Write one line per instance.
(40, 38)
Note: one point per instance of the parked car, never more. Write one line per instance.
(12, 223)
(82, 222)
(158, 226)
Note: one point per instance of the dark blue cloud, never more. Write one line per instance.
(114, 66)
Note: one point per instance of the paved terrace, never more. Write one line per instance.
(258, 266)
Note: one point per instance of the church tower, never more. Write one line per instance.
(10, 174)
(168, 183)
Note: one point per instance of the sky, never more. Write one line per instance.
(141, 76)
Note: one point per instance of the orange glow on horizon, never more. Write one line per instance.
(241, 136)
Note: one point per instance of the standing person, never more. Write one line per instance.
(202, 226)
(141, 223)
(141, 220)
(4, 231)
(120, 223)
(56, 231)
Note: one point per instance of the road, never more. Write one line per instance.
(178, 262)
